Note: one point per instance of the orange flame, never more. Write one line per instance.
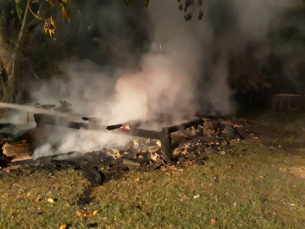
(127, 127)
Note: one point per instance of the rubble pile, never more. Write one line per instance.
(185, 144)
(190, 145)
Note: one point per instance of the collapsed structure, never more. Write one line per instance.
(181, 144)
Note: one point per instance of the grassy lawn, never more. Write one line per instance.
(257, 186)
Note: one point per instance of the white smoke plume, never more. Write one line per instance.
(185, 71)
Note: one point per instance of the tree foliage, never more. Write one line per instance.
(49, 25)
(247, 72)
(188, 6)
(25, 50)
(18, 19)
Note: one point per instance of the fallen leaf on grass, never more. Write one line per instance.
(229, 167)
(263, 176)
(94, 213)
(222, 152)
(50, 200)
(37, 199)
(80, 214)
(172, 168)
(191, 162)
(64, 226)
(213, 221)
(197, 196)
(137, 179)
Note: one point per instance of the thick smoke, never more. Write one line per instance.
(184, 71)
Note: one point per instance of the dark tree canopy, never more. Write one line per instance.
(37, 36)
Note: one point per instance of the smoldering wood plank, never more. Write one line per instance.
(50, 120)
(44, 119)
(182, 126)
(213, 117)
(166, 146)
(139, 133)
(113, 127)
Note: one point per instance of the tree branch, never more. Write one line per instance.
(19, 40)
(40, 12)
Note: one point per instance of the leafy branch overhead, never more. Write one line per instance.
(188, 6)
(65, 7)
(49, 25)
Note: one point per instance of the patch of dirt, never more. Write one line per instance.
(275, 136)
(295, 171)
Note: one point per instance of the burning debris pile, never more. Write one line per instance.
(185, 144)
(189, 145)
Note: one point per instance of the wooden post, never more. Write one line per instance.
(166, 145)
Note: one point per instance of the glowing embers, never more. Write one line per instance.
(126, 127)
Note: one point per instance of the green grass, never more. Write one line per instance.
(165, 198)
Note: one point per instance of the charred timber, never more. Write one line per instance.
(164, 136)
(140, 133)
(42, 119)
(113, 127)
(92, 119)
(166, 145)
(213, 117)
(171, 129)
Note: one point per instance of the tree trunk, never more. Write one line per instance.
(9, 87)
(11, 84)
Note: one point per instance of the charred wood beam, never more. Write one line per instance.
(164, 136)
(90, 119)
(213, 117)
(182, 126)
(132, 124)
(42, 119)
(166, 145)
(97, 121)
(140, 133)
(113, 127)
(46, 106)
(166, 140)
